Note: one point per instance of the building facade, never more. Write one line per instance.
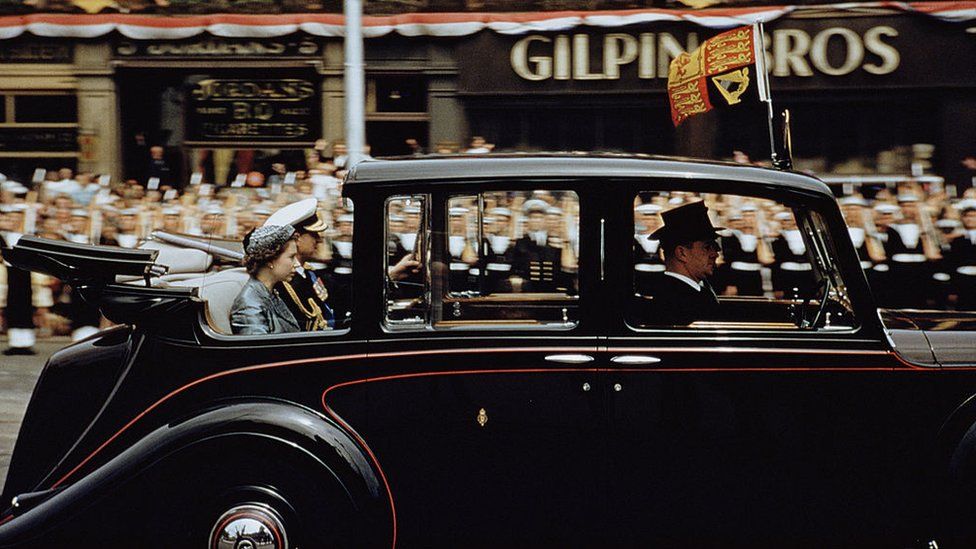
(229, 94)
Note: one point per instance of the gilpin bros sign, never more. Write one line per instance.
(849, 52)
(274, 110)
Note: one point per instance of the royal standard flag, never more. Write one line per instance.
(725, 70)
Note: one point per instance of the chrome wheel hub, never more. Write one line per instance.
(249, 526)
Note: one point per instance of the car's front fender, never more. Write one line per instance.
(293, 427)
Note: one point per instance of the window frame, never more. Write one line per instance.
(802, 211)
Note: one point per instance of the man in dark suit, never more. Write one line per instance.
(683, 295)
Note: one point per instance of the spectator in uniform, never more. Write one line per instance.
(745, 253)
(648, 263)
(962, 258)
(338, 270)
(792, 272)
(305, 293)
(536, 264)
(906, 247)
(462, 254)
(19, 310)
(497, 261)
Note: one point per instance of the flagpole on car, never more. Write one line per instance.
(784, 161)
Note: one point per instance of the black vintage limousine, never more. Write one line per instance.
(490, 400)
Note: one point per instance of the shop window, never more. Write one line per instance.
(771, 269)
(511, 259)
(46, 109)
(407, 285)
(399, 94)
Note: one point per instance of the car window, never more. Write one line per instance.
(510, 259)
(767, 267)
(407, 284)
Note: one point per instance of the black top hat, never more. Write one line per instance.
(686, 223)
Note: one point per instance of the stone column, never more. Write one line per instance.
(333, 112)
(99, 120)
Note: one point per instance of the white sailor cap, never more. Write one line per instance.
(887, 208)
(411, 209)
(852, 201)
(648, 209)
(966, 205)
(344, 218)
(214, 209)
(748, 208)
(554, 210)
(171, 211)
(302, 215)
(907, 197)
(14, 187)
(947, 223)
(78, 212)
(457, 211)
(395, 217)
(129, 211)
(783, 216)
(535, 205)
(500, 212)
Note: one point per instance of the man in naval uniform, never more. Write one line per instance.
(338, 271)
(306, 293)
(682, 294)
(962, 258)
(496, 265)
(648, 264)
(792, 272)
(536, 263)
(905, 247)
(19, 311)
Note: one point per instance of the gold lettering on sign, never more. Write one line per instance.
(618, 49)
(581, 59)
(890, 59)
(790, 47)
(541, 66)
(269, 90)
(853, 51)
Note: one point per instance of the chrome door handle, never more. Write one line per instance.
(570, 359)
(635, 359)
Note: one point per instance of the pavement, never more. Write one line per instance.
(18, 375)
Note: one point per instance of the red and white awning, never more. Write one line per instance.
(146, 27)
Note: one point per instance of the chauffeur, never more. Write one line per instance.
(962, 258)
(306, 293)
(691, 250)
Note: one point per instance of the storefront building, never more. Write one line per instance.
(230, 94)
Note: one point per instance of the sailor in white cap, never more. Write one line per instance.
(961, 258)
(496, 265)
(19, 310)
(869, 249)
(792, 272)
(77, 229)
(307, 292)
(338, 270)
(745, 252)
(536, 264)
(461, 251)
(909, 249)
(127, 226)
(648, 261)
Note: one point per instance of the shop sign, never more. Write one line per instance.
(216, 48)
(812, 53)
(230, 110)
(14, 139)
(36, 52)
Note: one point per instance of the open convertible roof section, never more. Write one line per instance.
(149, 27)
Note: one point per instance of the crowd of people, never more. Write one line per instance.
(916, 243)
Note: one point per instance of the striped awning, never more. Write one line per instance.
(147, 27)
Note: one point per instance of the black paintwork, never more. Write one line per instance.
(735, 438)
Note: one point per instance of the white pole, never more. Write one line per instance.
(354, 82)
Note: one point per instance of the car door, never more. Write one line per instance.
(750, 432)
(488, 422)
